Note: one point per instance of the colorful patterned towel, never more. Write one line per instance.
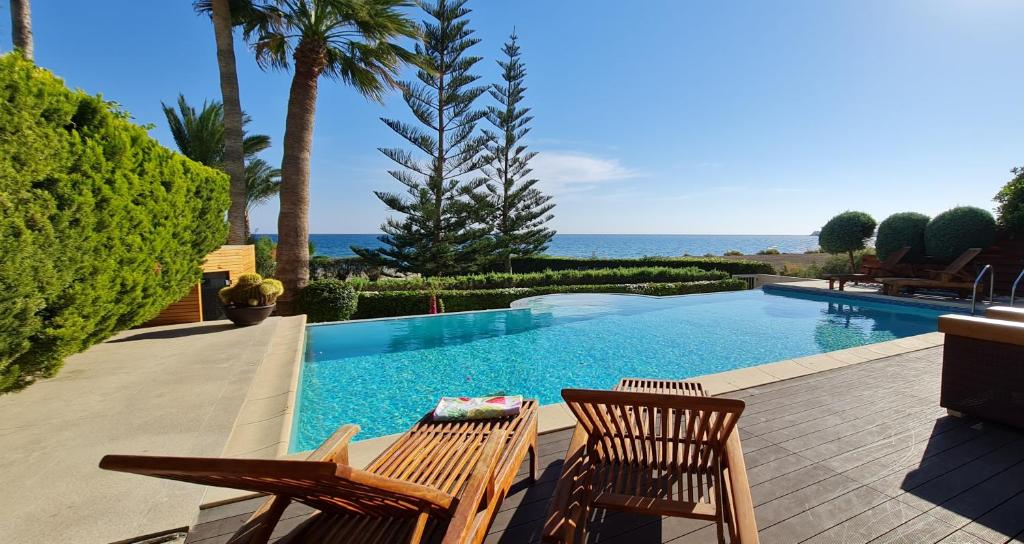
(458, 408)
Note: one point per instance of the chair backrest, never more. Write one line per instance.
(894, 258)
(654, 429)
(322, 485)
(960, 262)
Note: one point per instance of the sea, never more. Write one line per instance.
(609, 245)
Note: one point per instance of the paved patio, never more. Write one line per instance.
(173, 390)
(858, 454)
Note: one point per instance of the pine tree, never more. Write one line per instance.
(519, 209)
(439, 233)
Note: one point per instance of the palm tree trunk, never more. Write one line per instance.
(21, 27)
(293, 219)
(234, 163)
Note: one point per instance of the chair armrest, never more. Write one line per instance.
(335, 448)
(479, 487)
(745, 525)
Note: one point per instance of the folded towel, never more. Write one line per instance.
(458, 408)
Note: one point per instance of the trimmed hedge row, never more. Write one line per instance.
(399, 303)
(540, 263)
(502, 280)
(101, 227)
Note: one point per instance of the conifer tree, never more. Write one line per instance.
(439, 233)
(518, 209)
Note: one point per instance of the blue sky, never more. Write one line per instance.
(650, 117)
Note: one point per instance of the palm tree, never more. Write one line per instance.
(21, 27)
(200, 137)
(346, 40)
(234, 161)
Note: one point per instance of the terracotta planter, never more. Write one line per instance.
(243, 316)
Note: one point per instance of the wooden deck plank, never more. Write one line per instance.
(857, 454)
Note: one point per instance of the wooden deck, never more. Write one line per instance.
(858, 454)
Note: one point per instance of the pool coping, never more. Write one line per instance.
(263, 428)
(939, 305)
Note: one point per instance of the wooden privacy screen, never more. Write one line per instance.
(235, 260)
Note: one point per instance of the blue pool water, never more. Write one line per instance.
(383, 375)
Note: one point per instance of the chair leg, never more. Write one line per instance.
(533, 462)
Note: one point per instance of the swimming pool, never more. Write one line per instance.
(384, 374)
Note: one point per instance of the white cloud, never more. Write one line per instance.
(567, 172)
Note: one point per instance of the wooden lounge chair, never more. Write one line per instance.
(953, 277)
(888, 266)
(439, 482)
(653, 447)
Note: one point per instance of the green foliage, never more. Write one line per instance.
(438, 233)
(954, 231)
(899, 230)
(251, 290)
(846, 232)
(100, 226)
(1011, 204)
(517, 209)
(500, 280)
(327, 300)
(733, 253)
(770, 251)
(199, 136)
(539, 263)
(265, 264)
(398, 303)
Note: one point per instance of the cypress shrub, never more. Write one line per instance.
(100, 226)
(399, 303)
(902, 229)
(540, 263)
(954, 231)
(327, 300)
(501, 280)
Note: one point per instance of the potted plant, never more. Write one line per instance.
(251, 299)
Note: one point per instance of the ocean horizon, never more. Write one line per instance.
(608, 245)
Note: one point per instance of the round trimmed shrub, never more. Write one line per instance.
(902, 229)
(846, 233)
(327, 300)
(954, 231)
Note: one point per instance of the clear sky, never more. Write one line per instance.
(650, 117)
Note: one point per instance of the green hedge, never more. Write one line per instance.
(398, 303)
(954, 231)
(501, 280)
(100, 226)
(327, 300)
(541, 263)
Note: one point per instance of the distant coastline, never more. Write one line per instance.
(611, 245)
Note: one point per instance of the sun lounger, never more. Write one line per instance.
(440, 481)
(653, 447)
(888, 266)
(953, 277)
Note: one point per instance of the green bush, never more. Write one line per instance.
(398, 303)
(733, 253)
(954, 231)
(266, 266)
(541, 263)
(100, 226)
(902, 229)
(770, 251)
(327, 300)
(501, 280)
(1011, 204)
(846, 233)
